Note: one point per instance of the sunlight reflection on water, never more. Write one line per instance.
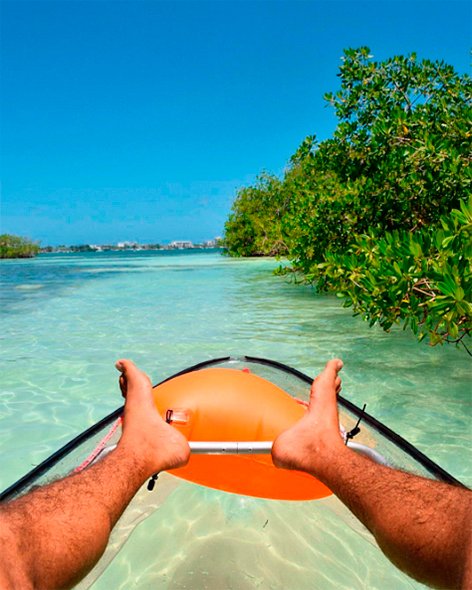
(66, 319)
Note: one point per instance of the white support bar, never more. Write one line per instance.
(264, 448)
(231, 447)
(368, 452)
(252, 448)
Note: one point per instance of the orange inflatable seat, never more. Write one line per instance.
(223, 404)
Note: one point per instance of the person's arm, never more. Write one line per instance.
(53, 536)
(422, 526)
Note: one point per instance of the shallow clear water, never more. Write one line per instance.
(67, 318)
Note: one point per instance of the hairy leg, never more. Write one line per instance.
(423, 526)
(53, 536)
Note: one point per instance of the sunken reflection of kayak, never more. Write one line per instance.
(229, 519)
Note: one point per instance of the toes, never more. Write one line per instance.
(334, 365)
(123, 385)
(337, 384)
(125, 366)
(130, 371)
(133, 381)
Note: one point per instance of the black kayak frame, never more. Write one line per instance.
(430, 466)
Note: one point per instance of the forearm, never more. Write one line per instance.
(56, 534)
(423, 526)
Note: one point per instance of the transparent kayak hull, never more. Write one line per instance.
(184, 535)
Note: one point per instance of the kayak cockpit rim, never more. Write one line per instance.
(429, 465)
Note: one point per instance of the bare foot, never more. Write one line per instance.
(309, 444)
(145, 433)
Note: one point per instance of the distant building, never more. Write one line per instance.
(126, 245)
(212, 243)
(181, 245)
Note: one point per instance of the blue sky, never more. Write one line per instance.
(138, 120)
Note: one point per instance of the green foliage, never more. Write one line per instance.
(377, 211)
(423, 279)
(254, 225)
(17, 247)
(405, 132)
(399, 159)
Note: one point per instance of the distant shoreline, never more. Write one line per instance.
(72, 250)
(132, 247)
(14, 247)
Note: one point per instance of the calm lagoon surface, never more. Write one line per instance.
(66, 318)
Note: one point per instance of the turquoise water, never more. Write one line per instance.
(67, 318)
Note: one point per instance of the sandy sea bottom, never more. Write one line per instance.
(66, 319)
(204, 539)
